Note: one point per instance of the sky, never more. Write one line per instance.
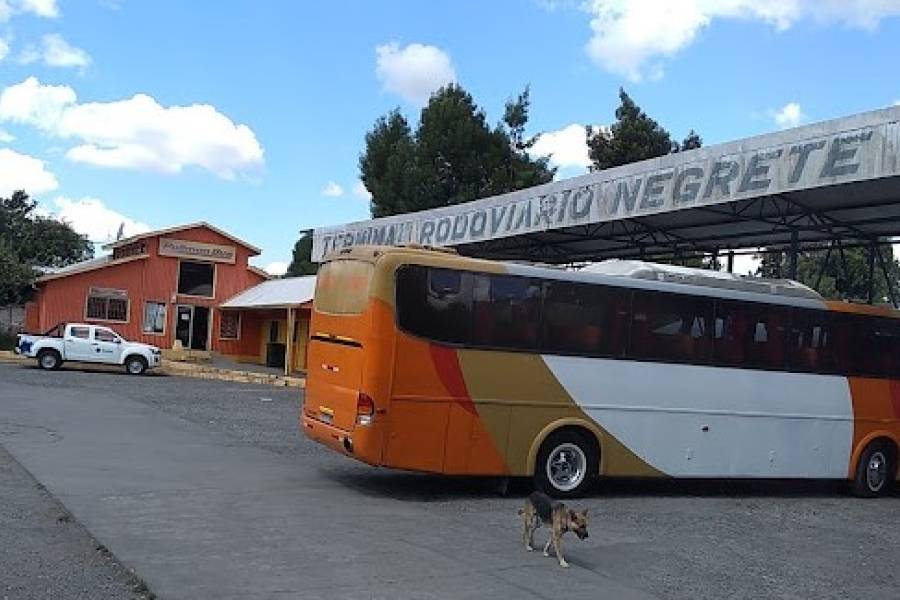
(251, 115)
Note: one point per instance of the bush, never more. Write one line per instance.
(7, 340)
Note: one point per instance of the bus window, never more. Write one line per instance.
(342, 287)
(670, 327)
(872, 347)
(435, 303)
(584, 319)
(507, 311)
(812, 342)
(750, 334)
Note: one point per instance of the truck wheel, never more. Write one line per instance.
(566, 464)
(135, 365)
(49, 360)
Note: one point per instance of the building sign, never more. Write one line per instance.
(861, 147)
(196, 250)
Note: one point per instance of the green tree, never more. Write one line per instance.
(454, 155)
(632, 137)
(825, 272)
(300, 261)
(28, 241)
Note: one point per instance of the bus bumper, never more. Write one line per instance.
(363, 443)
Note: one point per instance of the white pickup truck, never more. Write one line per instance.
(79, 342)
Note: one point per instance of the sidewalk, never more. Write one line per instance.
(204, 371)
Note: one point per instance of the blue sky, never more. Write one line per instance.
(251, 115)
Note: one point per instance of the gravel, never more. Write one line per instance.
(677, 539)
(45, 553)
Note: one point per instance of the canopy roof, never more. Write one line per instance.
(275, 293)
(835, 180)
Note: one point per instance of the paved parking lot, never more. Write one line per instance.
(207, 489)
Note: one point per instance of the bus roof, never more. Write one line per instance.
(627, 273)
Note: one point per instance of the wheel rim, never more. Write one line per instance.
(876, 471)
(48, 361)
(566, 467)
(135, 366)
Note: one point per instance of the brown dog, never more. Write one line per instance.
(539, 510)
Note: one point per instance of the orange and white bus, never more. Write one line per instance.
(428, 361)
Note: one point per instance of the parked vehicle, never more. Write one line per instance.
(80, 342)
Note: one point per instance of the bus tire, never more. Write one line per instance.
(566, 464)
(135, 365)
(49, 360)
(875, 470)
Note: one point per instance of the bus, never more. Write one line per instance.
(424, 360)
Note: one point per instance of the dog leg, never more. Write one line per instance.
(528, 537)
(547, 545)
(557, 545)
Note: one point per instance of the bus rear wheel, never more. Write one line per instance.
(875, 470)
(566, 464)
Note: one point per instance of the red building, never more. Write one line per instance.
(164, 287)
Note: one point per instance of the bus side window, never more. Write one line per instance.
(872, 345)
(812, 342)
(510, 315)
(671, 327)
(584, 319)
(435, 303)
(749, 334)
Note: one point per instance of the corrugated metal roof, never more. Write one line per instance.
(290, 291)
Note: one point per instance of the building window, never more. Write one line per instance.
(107, 305)
(154, 318)
(229, 325)
(196, 279)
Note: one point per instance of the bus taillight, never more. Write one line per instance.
(365, 409)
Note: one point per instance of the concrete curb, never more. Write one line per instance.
(199, 371)
(8, 356)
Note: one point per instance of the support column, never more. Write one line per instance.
(731, 261)
(289, 342)
(870, 282)
(792, 258)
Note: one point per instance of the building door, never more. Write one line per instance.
(184, 315)
(192, 326)
(200, 328)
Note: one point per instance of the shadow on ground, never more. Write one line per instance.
(415, 487)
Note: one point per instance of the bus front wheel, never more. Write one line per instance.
(875, 470)
(566, 464)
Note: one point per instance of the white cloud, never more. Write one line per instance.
(632, 37)
(360, 191)
(91, 217)
(57, 52)
(332, 190)
(40, 8)
(788, 116)
(23, 172)
(137, 133)
(6, 137)
(413, 72)
(897, 102)
(32, 103)
(277, 268)
(567, 147)
(4, 48)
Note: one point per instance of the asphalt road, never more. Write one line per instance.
(207, 489)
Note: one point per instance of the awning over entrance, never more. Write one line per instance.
(836, 180)
(275, 293)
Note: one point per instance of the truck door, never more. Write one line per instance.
(107, 346)
(77, 343)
